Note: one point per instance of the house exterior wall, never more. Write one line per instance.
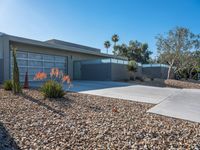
(72, 54)
(1, 59)
(6, 58)
(1, 48)
(101, 72)
(119, 72)
(51, 51)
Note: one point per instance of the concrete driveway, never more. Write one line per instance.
(178, 103)
(184, 105)
(125, 91)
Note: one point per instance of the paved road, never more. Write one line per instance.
(183, 104)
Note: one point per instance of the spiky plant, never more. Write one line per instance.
(16, 83)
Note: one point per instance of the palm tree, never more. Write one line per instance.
(107, 45)
(115, 39)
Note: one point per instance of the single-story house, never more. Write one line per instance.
(78, 61)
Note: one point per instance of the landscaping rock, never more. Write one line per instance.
(182, 84)
(80, 121)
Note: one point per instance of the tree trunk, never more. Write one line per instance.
(190, 74)
(169, 72)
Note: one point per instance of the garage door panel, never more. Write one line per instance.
(59, 65)
(22, 54)
(34, 56)
(33, 71)
(59, 58)
(48, 57)
(49, 64)
(22, 62)
(34, 63)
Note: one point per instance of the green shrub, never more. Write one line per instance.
(7, 85)
(52, 89)
(132, 66)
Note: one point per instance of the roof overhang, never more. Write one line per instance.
(59, 47)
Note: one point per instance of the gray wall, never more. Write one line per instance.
(103, 72)
(1, 47)
(119, 72)
(1, 59)
(155, 72)
(1, 70)
(100, 72)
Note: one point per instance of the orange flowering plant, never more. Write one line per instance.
(40, 76)
(55, 75)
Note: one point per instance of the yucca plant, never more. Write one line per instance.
(16, 83)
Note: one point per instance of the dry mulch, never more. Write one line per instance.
(81, 121)
(182, 84)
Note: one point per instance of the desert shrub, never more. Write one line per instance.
(7, 85)
(52, 89)
(139, 78)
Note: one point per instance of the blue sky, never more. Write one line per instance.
(91, 22)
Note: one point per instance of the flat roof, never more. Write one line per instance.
(66, 46)
(59, 42)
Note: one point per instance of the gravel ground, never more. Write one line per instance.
(183, 84)
(81, 121)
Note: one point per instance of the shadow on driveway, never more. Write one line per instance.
(86, 85)
(80, 86)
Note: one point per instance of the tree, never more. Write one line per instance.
(139, 52)
(107, 45)
(16, 83)
(134, 51)
(115, 39)
(172, 47)
(121, 50)
(192, 63)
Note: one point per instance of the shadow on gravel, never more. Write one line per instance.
(43, 104)
(6, 141)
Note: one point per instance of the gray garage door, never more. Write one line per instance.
(34, 62)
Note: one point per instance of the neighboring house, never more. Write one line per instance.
(34, 56)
